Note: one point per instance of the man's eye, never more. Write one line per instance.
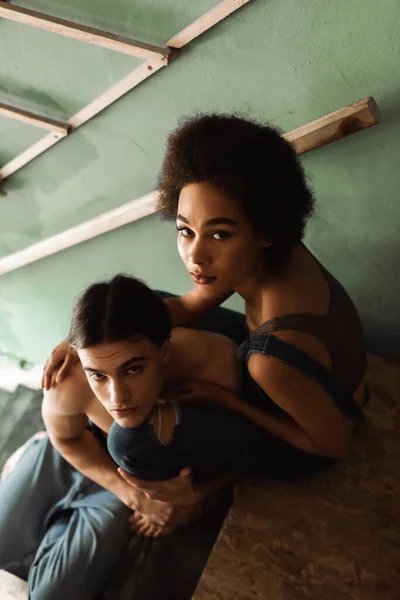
(135, 370)
(221, 235)
(185, 231)
(96, 376)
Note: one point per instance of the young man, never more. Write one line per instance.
(83, 509)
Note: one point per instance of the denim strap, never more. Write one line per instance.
(272, 346)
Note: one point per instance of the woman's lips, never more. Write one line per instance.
(202, 279)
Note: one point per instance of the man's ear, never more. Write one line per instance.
(165, 350)
(266, 243)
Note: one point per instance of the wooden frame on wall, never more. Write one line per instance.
(325, 130)
(155, 57)
(322, 131)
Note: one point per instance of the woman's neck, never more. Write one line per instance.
(263, 277)
(256, 290)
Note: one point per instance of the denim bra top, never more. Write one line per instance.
(270, 345)
(340, 323)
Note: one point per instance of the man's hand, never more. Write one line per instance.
(167, 504)
(178, 491)
(141, 524)
(156, 511)
(154, 518)
(57, 367)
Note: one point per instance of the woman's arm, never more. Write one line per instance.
(313, 423)
(191, 307)
(309, 407)
(283, 427)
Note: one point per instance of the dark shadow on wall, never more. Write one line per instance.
(382, 338)
(382, 322)
(375, 289)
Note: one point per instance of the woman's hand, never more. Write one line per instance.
(196, 390)
(61, 361)
(178, 491)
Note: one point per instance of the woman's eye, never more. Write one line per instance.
(185, 231)
(221, 235)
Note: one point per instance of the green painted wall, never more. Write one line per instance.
(285, 61)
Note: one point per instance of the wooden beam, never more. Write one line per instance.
(32, 152)
(205, 22)
(365, 111)
(120, 88)
(222, 10)
(127, 213)
(32, 119)
(336, 125)
(83, 33)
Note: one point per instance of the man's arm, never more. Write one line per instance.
(189, 309)
(68, 434)
(180, 491)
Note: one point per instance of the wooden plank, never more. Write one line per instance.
(123, 86)
(309, 136)
(82, 33)
(32, 119)
(32, 152)
(127, 213)
(222, 10)
(336, 125)
(205, 22)
(115, 92)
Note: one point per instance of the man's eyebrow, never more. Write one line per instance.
(125, 365)
(216, 221)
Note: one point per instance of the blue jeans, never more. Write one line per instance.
(59, 530)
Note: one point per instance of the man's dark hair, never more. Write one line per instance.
(248, 161)
(120, 309)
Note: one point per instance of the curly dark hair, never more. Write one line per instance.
(248, 161)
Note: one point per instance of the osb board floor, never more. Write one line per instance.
(333, 537)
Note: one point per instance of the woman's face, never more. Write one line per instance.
(216, 241)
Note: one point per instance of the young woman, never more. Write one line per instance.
(240, 200)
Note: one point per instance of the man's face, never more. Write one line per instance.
(127, 377)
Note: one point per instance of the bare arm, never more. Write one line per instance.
(209, 393)
(68, 434)
(181, 491)
(312, 422)
(283, 427)
(188, 309)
